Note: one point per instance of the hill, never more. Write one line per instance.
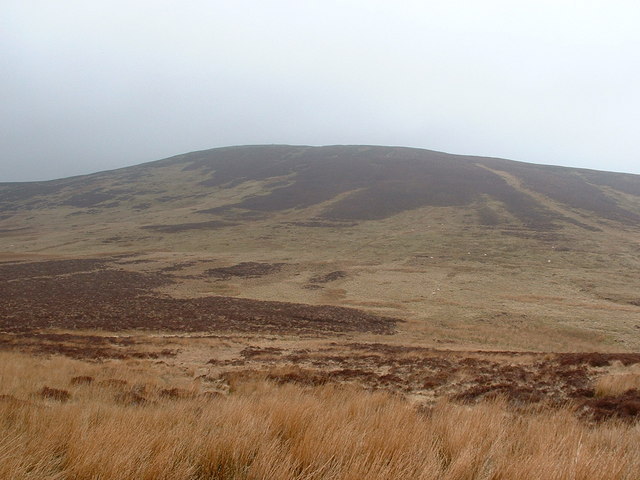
(473, 251)
(351, 183)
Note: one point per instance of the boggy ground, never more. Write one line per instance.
(100, 294)
(103, 374)
(426, 375)
(595, 386)
(109, 309)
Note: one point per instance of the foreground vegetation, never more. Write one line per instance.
(68, 419)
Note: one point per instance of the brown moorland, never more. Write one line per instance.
(321, 313)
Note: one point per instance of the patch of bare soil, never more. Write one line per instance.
(322, 224)
(55, 394)
(89, 347)
(13, 271)
(329, 277)
(596, 359)
(81, 380)
(625, 406)
(178, 266)
(184, 227)
(245, 270)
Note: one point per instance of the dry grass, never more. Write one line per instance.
(267, 431)
(618, 382)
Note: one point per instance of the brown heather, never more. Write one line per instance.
(264, 430)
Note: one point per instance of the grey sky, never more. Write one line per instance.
(94, 85)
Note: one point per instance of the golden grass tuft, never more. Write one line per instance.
(617, 383)
(290, 431)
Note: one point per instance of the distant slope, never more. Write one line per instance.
(352, 183)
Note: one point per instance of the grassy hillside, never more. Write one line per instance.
(465, 250)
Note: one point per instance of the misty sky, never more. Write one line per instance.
(95, 85)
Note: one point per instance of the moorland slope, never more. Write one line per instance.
(474, 251)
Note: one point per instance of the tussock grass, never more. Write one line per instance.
(267, 431)
(617, 383)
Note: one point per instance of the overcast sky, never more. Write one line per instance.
(94, 85)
